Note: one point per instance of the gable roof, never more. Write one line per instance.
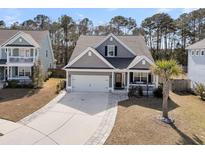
(6, 34)
(135, 43)
(197, 45)
(84, 52)
(120, 63)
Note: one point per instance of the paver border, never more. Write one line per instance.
(108, 120)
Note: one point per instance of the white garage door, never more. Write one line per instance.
(90, 83)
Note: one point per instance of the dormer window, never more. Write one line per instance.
(111, 50)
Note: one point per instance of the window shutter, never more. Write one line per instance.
(105, 50)
(131, 77)
(115, 50)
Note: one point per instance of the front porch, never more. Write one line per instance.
(123, 81)
(22, 73)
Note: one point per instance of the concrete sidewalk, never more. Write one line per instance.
(77, 118)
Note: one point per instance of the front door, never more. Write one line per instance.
(118, 80)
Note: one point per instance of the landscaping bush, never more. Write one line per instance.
(13, 84)
(140, 91)
(135, 91)
(17, 84)
(200, 90)
(158, 92)
(60, 86)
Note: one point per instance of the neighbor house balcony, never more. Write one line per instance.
(19, 54)
(13, 59)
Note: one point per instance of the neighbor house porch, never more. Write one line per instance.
(22, 73)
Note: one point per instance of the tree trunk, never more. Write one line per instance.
(165, 98)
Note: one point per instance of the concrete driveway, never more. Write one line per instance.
(77, 118)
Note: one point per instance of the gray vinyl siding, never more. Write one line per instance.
(90, 73)
(121, 50)
(23, 42)
(141, 66)
(196, 68)
(46, 61)
(3, 54)
(92, 61)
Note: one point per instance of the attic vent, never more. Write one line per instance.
(111, 39)
(89, 53)
(143, 62)
(20, 40)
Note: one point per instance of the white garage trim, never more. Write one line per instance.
(92, 83)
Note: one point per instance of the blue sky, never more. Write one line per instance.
(98, 16)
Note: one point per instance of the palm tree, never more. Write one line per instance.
(166, 69)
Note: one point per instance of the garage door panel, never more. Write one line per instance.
(90, 83)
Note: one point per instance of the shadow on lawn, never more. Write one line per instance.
(148, 102)
(9, 94)
(186, 139)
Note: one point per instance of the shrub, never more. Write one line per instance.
(60, 86)
(13, 84)
(158, 92)
(200, 90)
(132, 91)
(140, 91)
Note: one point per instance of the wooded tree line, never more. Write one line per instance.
(166, 37)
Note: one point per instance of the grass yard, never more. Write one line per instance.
(137, 121)
(16, 104)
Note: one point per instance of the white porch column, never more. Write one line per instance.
(66, 80)
(34, 54)
(8, 73)
(156, 81)
(7, 54)
(112, 82)
(128, 83)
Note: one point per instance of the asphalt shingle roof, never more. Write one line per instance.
(197, 45)
(120, 63)
(135, 43)
(38, 36)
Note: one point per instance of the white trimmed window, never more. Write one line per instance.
(140, 77)
(197, 52)
(202, 52)
(110, 50)
(192, 52)
(24, 71)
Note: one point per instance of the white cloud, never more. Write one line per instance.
(187, 10)
(11, 16)
(163, 10)
(81, 16)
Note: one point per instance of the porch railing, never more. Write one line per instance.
(145, 87)
(21, 59)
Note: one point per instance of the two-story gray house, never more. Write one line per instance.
(196, 62)
(110, 63)
(19, 50)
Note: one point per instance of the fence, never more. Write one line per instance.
(58, 73)
(181, 85)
